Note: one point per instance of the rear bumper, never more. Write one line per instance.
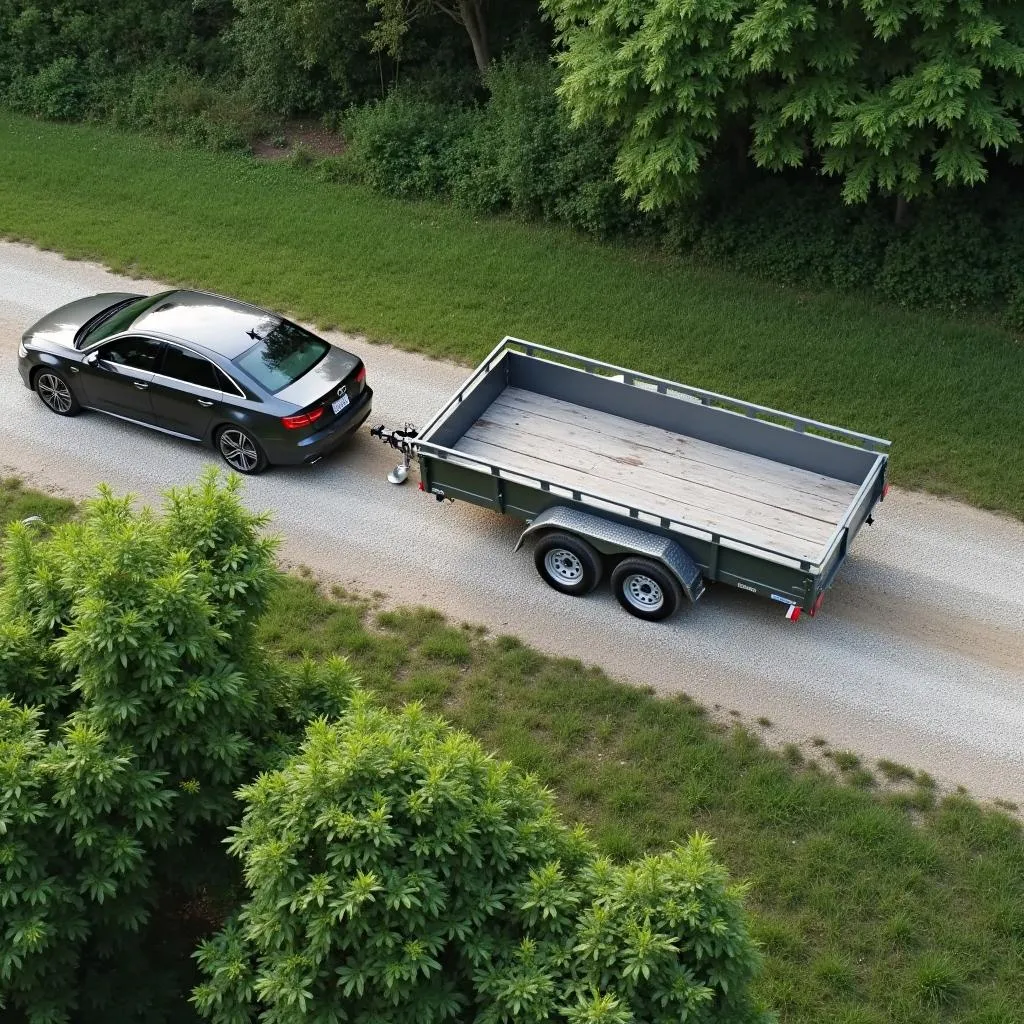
(316, 446)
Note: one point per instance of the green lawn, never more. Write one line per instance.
(874, 903)
(429, 277)
(19, 502)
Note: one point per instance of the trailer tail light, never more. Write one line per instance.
(302, 419)
(422, 488)
(816, 607)
(885, 491)
(793, 613)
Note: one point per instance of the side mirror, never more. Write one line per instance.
(91, 359)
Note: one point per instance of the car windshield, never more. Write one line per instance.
(114, 319)
(282, 356)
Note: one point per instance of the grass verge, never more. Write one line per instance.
(873, 904)
(19, 502)
(437, 279)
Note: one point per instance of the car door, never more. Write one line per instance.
(116, 376)
(186, 392)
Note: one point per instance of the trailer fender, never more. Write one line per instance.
(613, 538)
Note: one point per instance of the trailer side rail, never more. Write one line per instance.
(632, 378)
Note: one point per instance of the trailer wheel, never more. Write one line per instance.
(567, 563)
(646, 589)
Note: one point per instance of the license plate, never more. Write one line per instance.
(340, 404)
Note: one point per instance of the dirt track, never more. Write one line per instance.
(918, 654)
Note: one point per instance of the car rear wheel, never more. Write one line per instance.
(56, 394)
(241, 451)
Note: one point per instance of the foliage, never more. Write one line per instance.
(394, 868)
(133, 705)
(516, 153)
(889, 96)
(55, 57)
(304, 56)
(79, 819)
(169, 101)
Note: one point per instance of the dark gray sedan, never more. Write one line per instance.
(259, 388)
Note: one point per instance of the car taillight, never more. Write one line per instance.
(303, 419)
(361, 375)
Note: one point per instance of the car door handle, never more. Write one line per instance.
(140, 385)
(205, 403)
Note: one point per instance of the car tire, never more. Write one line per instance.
(55, 392)
(240, 450)
(567, 563)
(646, 589)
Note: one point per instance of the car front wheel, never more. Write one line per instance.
(56, 394)
(241, 451)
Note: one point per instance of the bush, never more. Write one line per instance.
(181, 104)
(132, 705)
(516, 153)
(396, 871)
(403, 145)
(59, 92)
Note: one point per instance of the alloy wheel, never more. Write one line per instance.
(55, 393)
(239, 451)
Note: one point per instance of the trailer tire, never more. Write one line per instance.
(567, 563)
(646, 589)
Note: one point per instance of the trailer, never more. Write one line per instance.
(658, 486)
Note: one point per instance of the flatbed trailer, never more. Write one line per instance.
(660, 485)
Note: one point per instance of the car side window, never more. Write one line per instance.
(228, 386)
(138, 353)
(189, 368)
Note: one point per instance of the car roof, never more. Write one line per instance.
(216, 323)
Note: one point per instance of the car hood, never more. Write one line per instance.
(327, 374)
(60, 326)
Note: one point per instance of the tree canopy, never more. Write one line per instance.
(893, 96)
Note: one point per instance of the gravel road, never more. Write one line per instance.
(918, 654)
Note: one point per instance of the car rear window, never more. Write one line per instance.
(282, 356)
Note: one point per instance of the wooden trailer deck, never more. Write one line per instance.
(712, 488)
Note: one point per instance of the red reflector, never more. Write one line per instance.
(885, 490)
(422, 488)
(816, 607)
(303, 419)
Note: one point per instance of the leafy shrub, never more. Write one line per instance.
(402, 145)
(301, 57)
(132, 705)
(515, 153)
(395, 870)
(181, 104)
(59, 92)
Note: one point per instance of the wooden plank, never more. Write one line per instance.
(713, 522)
(774, 494)
(602, 467)
(680, 445)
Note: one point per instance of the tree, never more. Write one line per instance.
(395, 16)
(395, 871)
(891, 96)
